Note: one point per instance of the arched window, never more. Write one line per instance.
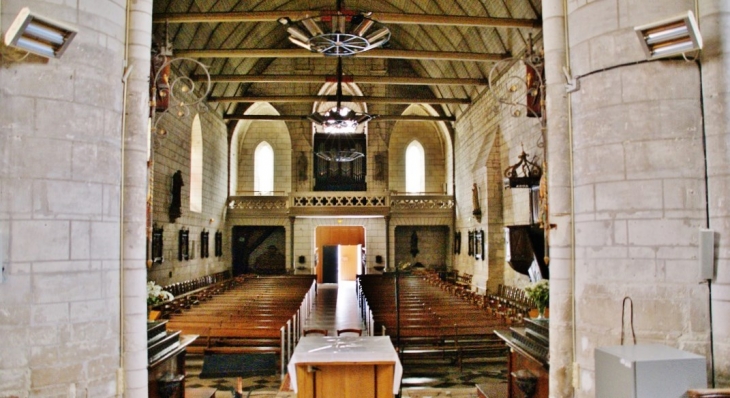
(263, 169)
(415, 168)
(196, 166)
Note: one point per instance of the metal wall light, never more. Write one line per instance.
(39, 35)
(670, 37)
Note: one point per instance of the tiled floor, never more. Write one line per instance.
(336, 308)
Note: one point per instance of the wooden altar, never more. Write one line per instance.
(347, 367)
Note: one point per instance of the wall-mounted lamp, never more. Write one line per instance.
(39, 35)
(670, 37)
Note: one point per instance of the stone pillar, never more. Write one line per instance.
(714, 18)
(639, 185)
(134, 291)
(60, 162)
(559, 175)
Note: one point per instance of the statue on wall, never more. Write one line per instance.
(380, 166)
(175, 196)
(302, 166)
(475, 202)
(414, 244)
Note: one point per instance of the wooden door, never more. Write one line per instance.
(349, 259)
(330, 266)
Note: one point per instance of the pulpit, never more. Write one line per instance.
(345, 366)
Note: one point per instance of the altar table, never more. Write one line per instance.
(345, 366)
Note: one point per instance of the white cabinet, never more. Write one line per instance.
(647, 371)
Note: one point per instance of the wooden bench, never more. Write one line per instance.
(433, 323)
(254, 316)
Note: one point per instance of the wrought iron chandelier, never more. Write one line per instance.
(338, 122)
(339, 119)
(337, 33)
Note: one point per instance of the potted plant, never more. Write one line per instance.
(539, 292)
(155, 294)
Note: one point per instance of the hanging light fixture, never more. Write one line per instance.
(339, 122)
(339, 119)
(337, 33)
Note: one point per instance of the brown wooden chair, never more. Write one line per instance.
(323, 332)
(709, 393)
(350, 330)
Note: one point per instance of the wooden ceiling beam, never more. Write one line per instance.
(344, 98)
(321, 79)
(382, 17)
(377, 53)
(385, 118)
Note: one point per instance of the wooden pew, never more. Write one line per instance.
(256, 315)
(434, 322)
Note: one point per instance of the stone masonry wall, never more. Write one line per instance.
(488, 139)
(429, 136)
(172, 153)
(639, 185)
(276, 134)
(60, 175)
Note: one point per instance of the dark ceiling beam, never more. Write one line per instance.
(382, 17)
(385, 118)
(300, 53)
(423, 81)
(344, 98)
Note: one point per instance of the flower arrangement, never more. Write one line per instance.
(539, 292)
(155, 294)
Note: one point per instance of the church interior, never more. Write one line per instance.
(495, 198)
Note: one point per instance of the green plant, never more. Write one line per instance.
(539, 292)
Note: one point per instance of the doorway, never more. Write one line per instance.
(340, 253)
(253, 243)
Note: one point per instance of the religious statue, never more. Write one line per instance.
(302, 165)
(380, 166)
(414, 244)
(175, 196)
(475, 202)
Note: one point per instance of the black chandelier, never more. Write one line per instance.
(338, 123)
(337, 33)
(339, 119)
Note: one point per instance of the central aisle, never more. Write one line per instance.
(335, 307)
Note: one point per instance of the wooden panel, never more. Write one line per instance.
(384, 380)
(354, 381)
(518, 362)
(346, 380)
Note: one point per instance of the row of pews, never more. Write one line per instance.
(192, 292)
(248, 315)
(431, 320)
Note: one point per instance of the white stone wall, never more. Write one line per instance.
(714, 19)
(488, 139)
(277, 135)
(639, 185)
(60, 174)
(431, 139)
(172, 153)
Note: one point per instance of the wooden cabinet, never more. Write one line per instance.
(527, 365)
(166, 355)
